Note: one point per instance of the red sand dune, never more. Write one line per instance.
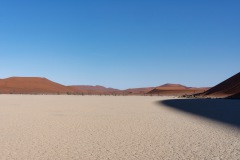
(175, 90)
(227, 88)
(32, 85)
(170, 86)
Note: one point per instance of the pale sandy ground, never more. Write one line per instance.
(99, 127)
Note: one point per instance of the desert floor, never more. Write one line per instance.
(118, 127)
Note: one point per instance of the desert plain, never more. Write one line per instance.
(57, 127)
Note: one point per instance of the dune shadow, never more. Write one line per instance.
(222, 110)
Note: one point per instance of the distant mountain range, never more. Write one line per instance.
(87, 89)
(103, 90)
(229, 88)
(36, 85)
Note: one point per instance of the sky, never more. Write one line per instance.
(121, 44)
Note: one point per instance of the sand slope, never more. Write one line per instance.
(229, 87)
(235, 96)
(109, 127)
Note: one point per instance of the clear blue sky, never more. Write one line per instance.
(121, 44)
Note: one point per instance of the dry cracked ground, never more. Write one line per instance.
(110, 127)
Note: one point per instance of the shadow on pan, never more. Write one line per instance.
(223, 110)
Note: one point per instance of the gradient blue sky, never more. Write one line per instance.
(121, 44)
